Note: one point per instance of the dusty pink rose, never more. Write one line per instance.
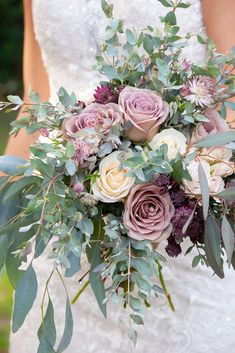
(148, 213)
(144, 110)
(105, 115)
(215, 125)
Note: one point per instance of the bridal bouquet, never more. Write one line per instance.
(145, 165)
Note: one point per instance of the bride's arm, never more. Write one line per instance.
(34, 76)
(219, 18)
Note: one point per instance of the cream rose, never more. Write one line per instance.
(175, 141)
(193, 187)
(112, 185)
(215, 183)
(223, 169)
(216, 154)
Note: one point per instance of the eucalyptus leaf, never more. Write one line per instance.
(171, 18)
(228, 239)
(218, 139)
(11, 165)
(47, 330)
(138, 320)
(68, 329)
(15, 100)
(25, 296)
(228, 194)
(19, 185)
(71, 167)
(94, 258)
(204, 190)
(212, 240)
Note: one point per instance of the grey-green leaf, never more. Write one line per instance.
(97, 285)
(171, 18)
(228, 194)
(10, 165)
(71, 167)
(212, 245)
(68, 329)
(25, 296)
(219, 139)
(47, 330)
(204, 190)
(15, 100)
(228, 239)
(137, 319)
(19, 185)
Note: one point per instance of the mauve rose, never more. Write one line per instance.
(148, 213)
(144, 110)
(105, 115)
(214, 125)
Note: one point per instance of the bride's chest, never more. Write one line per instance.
(72, 27)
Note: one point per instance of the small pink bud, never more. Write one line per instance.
(78, 188)
(44, 132)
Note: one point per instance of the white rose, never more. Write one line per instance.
(112, 185)
(216, 154)
(223, 169)
(217, 184)
(174, 139)
(193, 187)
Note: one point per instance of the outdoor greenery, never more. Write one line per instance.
(11, 38)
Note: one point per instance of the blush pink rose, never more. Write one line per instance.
(148, 213)
(214, 125)
(105, 115)
(144, 110)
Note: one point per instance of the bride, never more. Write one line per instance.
(61, 39)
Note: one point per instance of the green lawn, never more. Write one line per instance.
(5, 287)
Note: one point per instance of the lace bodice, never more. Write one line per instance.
(69, 33)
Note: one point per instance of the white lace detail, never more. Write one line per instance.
(69, 33)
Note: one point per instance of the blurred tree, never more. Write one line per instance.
(11, 39)
(11, 43)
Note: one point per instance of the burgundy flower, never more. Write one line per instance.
(105, 94)
(173, 249)
(177, 195)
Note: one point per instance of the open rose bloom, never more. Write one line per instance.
(141, 172)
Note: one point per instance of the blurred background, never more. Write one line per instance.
(11, 40)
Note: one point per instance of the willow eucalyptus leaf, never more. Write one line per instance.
(25, 296)
(68, 329)
(228, 239)
(204, 190)
(218, 139)
(228, 194)
(212, 245)
(47, 330)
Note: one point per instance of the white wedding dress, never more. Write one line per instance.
(69, 33)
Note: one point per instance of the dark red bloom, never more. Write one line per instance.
(105, 94)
